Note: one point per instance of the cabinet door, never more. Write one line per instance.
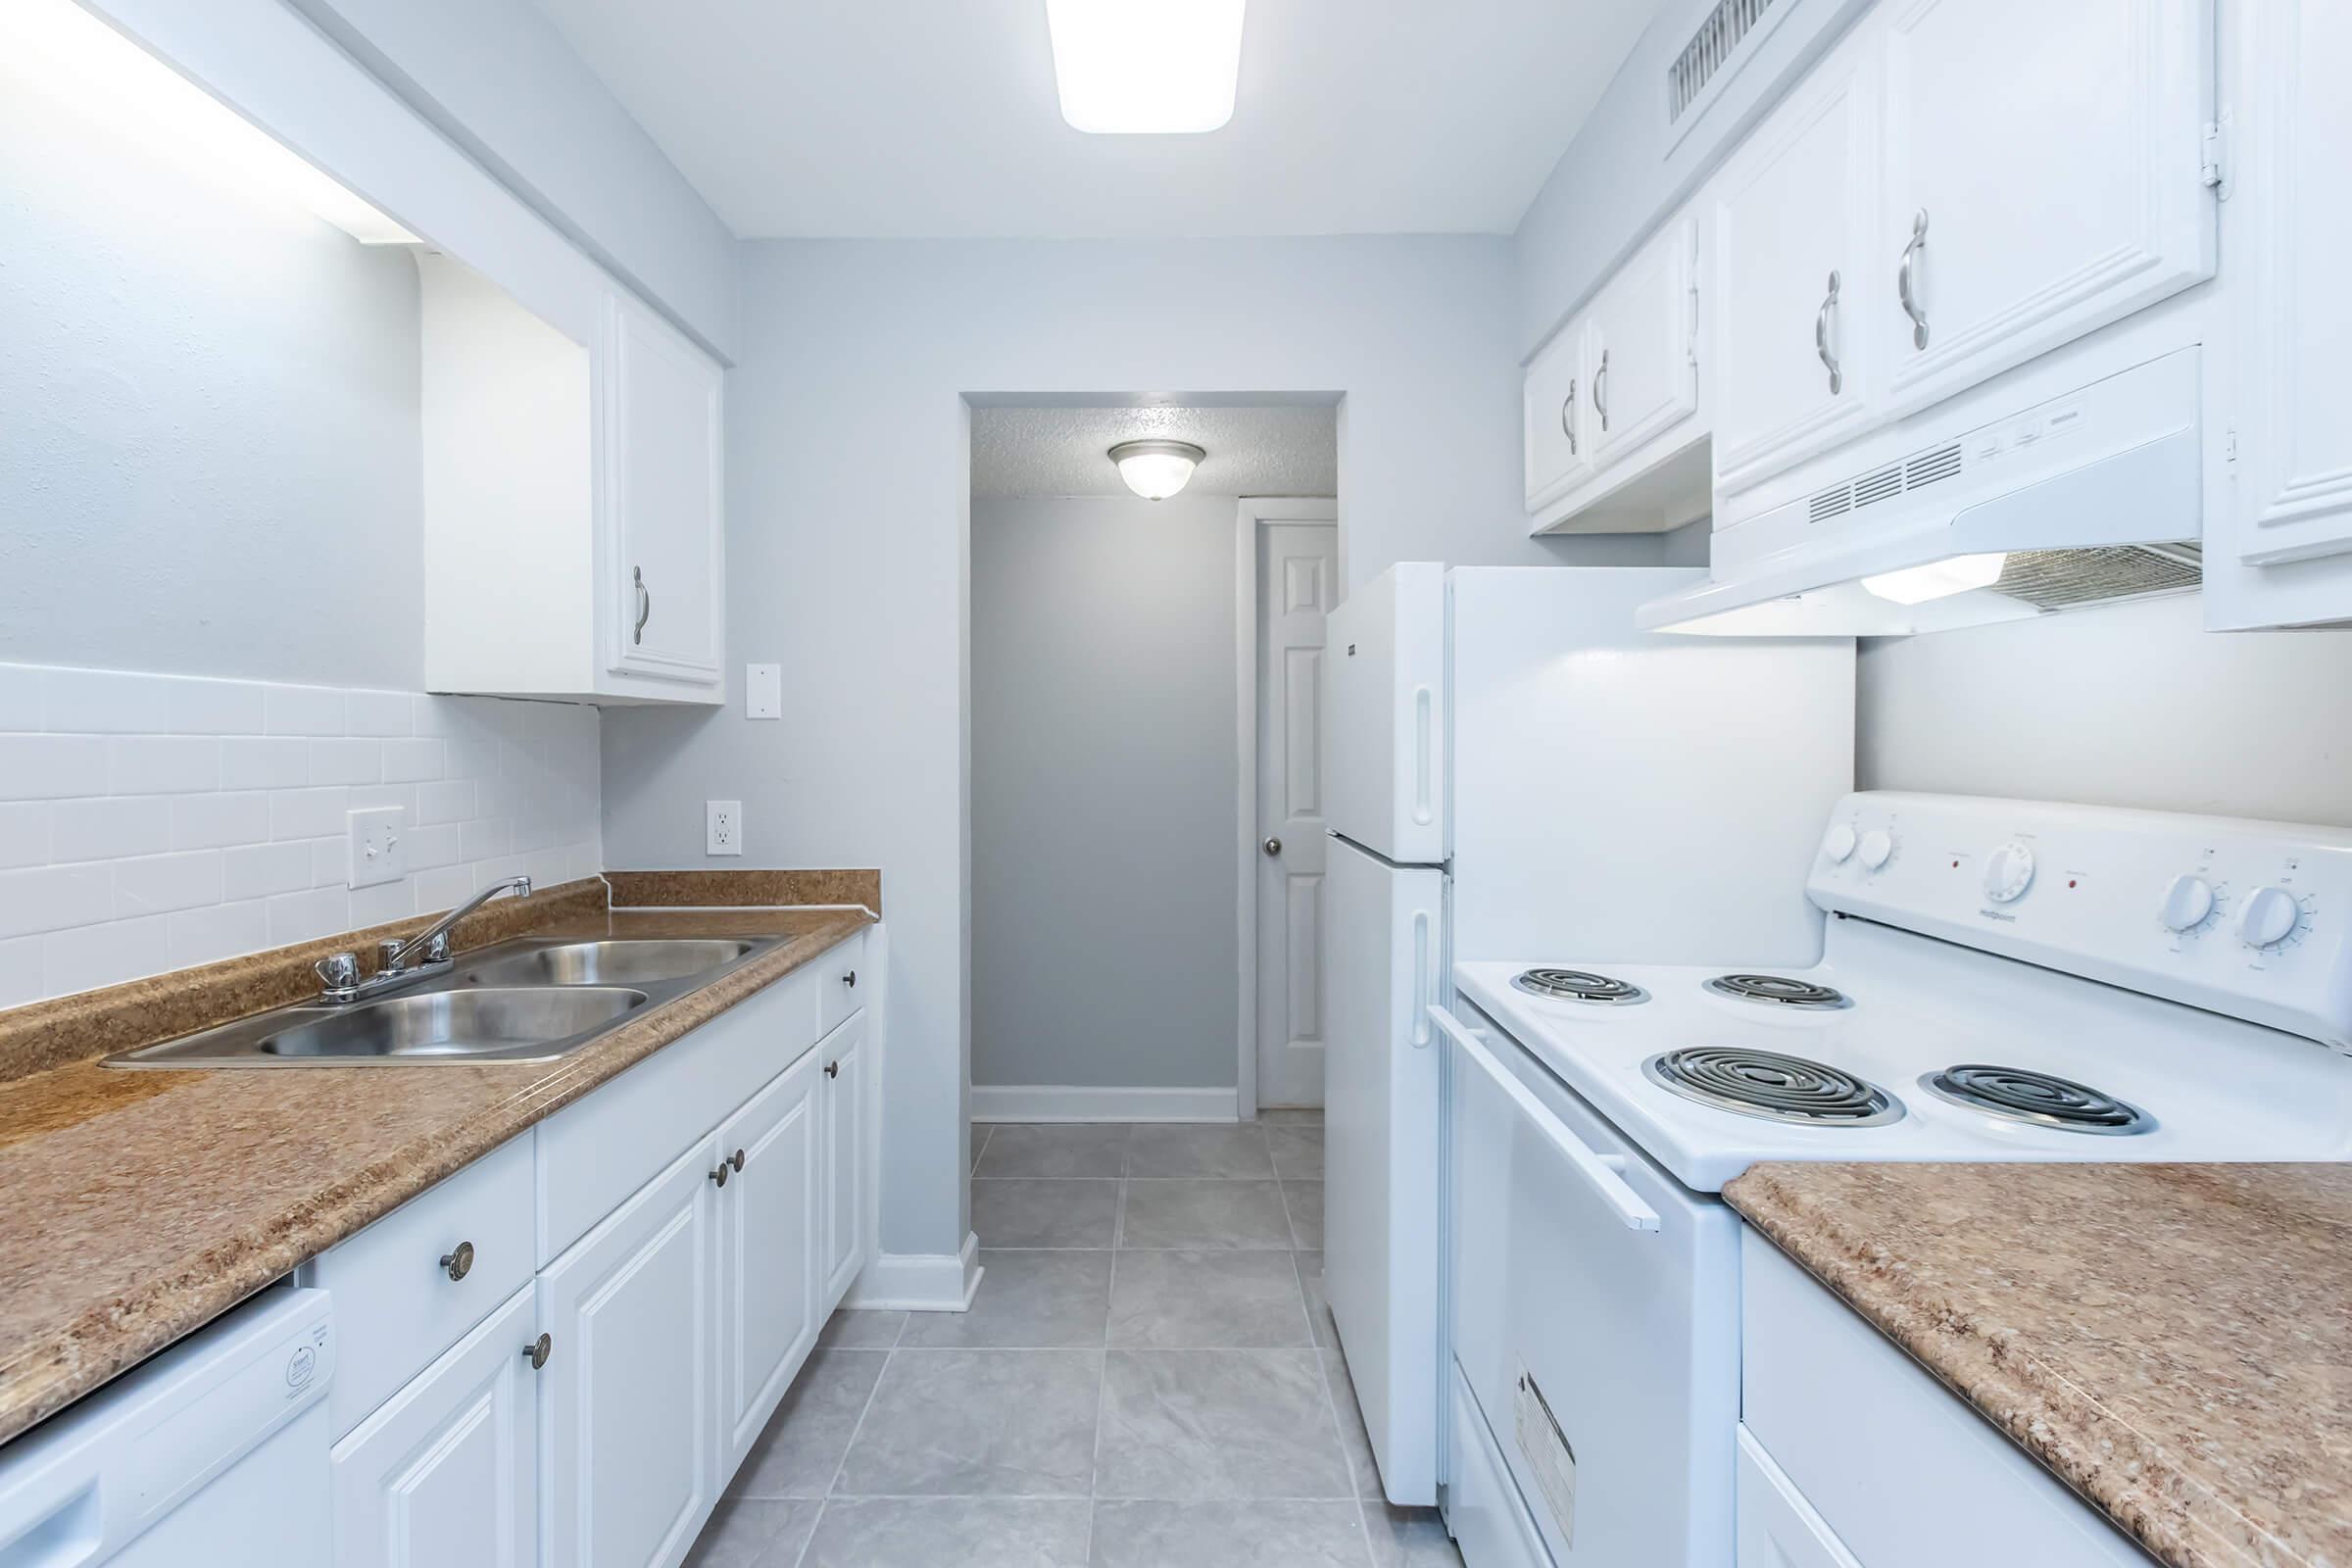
(1641, 345)
(446, 1471)
(1793, 322)
(848, 1108)
(2043, 177)
(661, 435)
(1552, 424)
(769, 1223)
(2290, 213)
(625, 1408)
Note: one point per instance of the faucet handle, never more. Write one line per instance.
(338, 971)
(387, 953)
(436, 950)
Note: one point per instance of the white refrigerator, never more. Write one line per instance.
(1514, 772)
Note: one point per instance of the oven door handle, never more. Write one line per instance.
(1602, 1171)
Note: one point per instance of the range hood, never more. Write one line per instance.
(2086, 498)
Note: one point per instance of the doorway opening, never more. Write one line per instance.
(1145, 752)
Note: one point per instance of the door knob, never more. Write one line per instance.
(1272, 845)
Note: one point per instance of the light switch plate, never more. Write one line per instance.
(722, 827)
(377, 852)
(763, 691)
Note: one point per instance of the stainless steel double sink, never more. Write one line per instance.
(530, 1000)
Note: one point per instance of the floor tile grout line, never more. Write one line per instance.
(843, 1463)
(1094, 1470)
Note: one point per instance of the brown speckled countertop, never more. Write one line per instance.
(2175, 1342)
(134, 1207)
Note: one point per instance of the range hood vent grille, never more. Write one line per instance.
(2069, 579)
(1930, 466)
(1711, 47)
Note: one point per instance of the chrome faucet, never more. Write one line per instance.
(339, 972)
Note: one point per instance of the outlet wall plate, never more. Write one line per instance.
(377, 855)
(722, 827)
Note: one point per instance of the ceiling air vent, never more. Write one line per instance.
(1835, 502)
(1710, 48)
(1883, 485)
(1930, 466)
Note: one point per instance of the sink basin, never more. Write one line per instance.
(483, 1023)
(606, 963)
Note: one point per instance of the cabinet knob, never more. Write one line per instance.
(538, 1350)
(458, 1262)
(849, 978)
(832, 1070)
(736, 1159)
(719, 1176)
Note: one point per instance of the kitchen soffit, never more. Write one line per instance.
(912, 119)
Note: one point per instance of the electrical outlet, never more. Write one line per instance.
(377, 855)
(722, 827)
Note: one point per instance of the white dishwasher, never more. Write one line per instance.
(212, 1453)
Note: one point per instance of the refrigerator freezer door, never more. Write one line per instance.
(1384, 962)
(1384, 764)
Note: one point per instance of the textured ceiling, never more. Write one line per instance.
(1063, 451)
(939, 118)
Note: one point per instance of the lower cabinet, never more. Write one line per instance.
(447, 1470)
(626, 1395)
(849, 1102)
(769, 1219)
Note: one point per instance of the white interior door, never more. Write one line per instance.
(1298, 571)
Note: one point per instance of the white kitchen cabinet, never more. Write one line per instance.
(1558, 456)
(1642, 344)
(573, 540)
(2282, 501)
(770, 1221)
(447, 1470)
(2043, 176)
(848, 1153)
(1795, 331)
(626, 1401)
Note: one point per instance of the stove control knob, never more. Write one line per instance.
(1839, 845)
(2008, 872)
(2269, 917)
(2188, 902)
(1877, 848)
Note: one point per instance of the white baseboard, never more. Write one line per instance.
(1067, 1103)
(919, 1282)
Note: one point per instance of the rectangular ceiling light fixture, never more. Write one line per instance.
(113, 77)
(1141, 67)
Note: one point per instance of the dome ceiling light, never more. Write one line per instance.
(1157, 469)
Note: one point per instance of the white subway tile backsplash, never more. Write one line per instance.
(163, 765)
(154, 821)
(51, 768)
(106, 827)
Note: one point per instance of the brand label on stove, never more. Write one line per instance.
(1551, 1461)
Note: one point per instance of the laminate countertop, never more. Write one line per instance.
(2174, 1342)
(135, 1206)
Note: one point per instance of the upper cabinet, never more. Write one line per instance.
(2040, 178)
(573, 531)
(1641, 345)
(1551, 407)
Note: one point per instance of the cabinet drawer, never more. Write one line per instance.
(395, 1304)
(1883, 1460)
(842, 989)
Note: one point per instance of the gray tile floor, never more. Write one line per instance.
(1147, 1379)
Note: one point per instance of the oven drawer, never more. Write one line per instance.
(1483, 1508)
(1884, 1458)
(1595, 1315)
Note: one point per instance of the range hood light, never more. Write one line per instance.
(1937, 580)
(1157, 469)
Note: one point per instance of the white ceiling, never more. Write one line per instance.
(1289, 451)
(938, 118)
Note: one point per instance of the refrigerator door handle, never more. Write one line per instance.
(1421, 980)
(1423, 811)
(1605, 1172)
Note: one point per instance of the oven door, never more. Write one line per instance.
(1594, 1314)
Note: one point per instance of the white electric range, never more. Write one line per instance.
(2001, 980)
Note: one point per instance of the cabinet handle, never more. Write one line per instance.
(849, 978)
(1902, 279)
(645, 602)
(458, 1262)
(832, 1070)
(719, 1176)
(538, 1350)
(1601, 404)
(1568, 416)
(736, 1159)
(1821, 338)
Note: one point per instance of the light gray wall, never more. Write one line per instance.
(209, 456)
(848, 494)
(499, 80)
(2130, 706)
(1102, 791)
(1626, 171)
